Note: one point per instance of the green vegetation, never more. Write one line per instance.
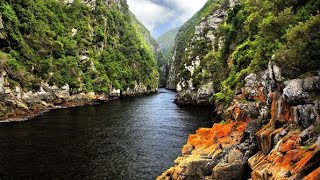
(89, 48)
(166, 43)
(223, 122)
(254, 33)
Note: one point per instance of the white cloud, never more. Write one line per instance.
(149, 13)
(155, 14)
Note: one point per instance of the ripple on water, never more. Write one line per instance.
(135, 138)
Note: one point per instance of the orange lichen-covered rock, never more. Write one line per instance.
(265, 137)
(314, 175)
(222, 130)
(202, 147)
(287, 159)
(229, 133)
(287, 146)
(283, 112)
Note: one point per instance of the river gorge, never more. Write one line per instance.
(133, 138)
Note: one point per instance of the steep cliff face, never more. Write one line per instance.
(152, 45)
(271, 130)
(227, 40)
(260, 60)
(166, 44)
(86, 49)
(190, 69)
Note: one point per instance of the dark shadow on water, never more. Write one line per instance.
(133, 138)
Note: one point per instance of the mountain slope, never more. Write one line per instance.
(258, 63)
(86, 46)
(166, 43)
(152, 44)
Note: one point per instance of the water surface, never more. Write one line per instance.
(134, 138)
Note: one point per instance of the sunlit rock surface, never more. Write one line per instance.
(271, 131)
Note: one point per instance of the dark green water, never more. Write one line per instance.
(136, 138)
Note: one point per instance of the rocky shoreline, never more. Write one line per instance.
(271, 131)
(17, 104)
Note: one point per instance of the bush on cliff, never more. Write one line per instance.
(300, 53)
(91, 49)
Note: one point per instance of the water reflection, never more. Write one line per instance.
(135, 138)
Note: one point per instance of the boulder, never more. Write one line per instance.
(230, 171)
(305, 115)
(294, 92)
(2, 81)
(1, 22)
(114, 92)
(306, 134)
(298, 90)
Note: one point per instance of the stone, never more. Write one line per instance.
(298, 90)
(83, 57)
(311, 84)
(2, 81)
(306, 134)
(187, 149)
(1, 22)
(314, 175)
(274, 71)
(74, 32)
(114, 92)
(22, 105)
(63, 92)
(294, 92)
(229, 171)
(305, 115)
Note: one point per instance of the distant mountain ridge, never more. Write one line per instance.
(166, 43)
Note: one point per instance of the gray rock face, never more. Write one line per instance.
(274, 72)
(1, 22)
(138, 88)
(172, 74)
(305, 115)
(188, 93)
(298, 90)
(306, 134)
(229, 171)
(2, 81)
(293, 92)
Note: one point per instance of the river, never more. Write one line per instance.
(133, 138)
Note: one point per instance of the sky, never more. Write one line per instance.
(160, 16)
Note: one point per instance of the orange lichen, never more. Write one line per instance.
(222, 130)
(285, 113)
(273, 109)
(220, 135)
(300, 164)
(288, 158)
(287, 146)
(241, 126)
(314, 175)
(261, 97)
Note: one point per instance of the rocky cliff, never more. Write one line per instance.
(166, 43)
(65, 53)
(189, 69)
(270, 131)
(258, 63)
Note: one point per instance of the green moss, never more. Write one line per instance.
(223, 122)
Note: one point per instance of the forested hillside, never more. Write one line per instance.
(257, 63)
(166, 43)
(74, 47)
(220, 45)
(91, 47)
